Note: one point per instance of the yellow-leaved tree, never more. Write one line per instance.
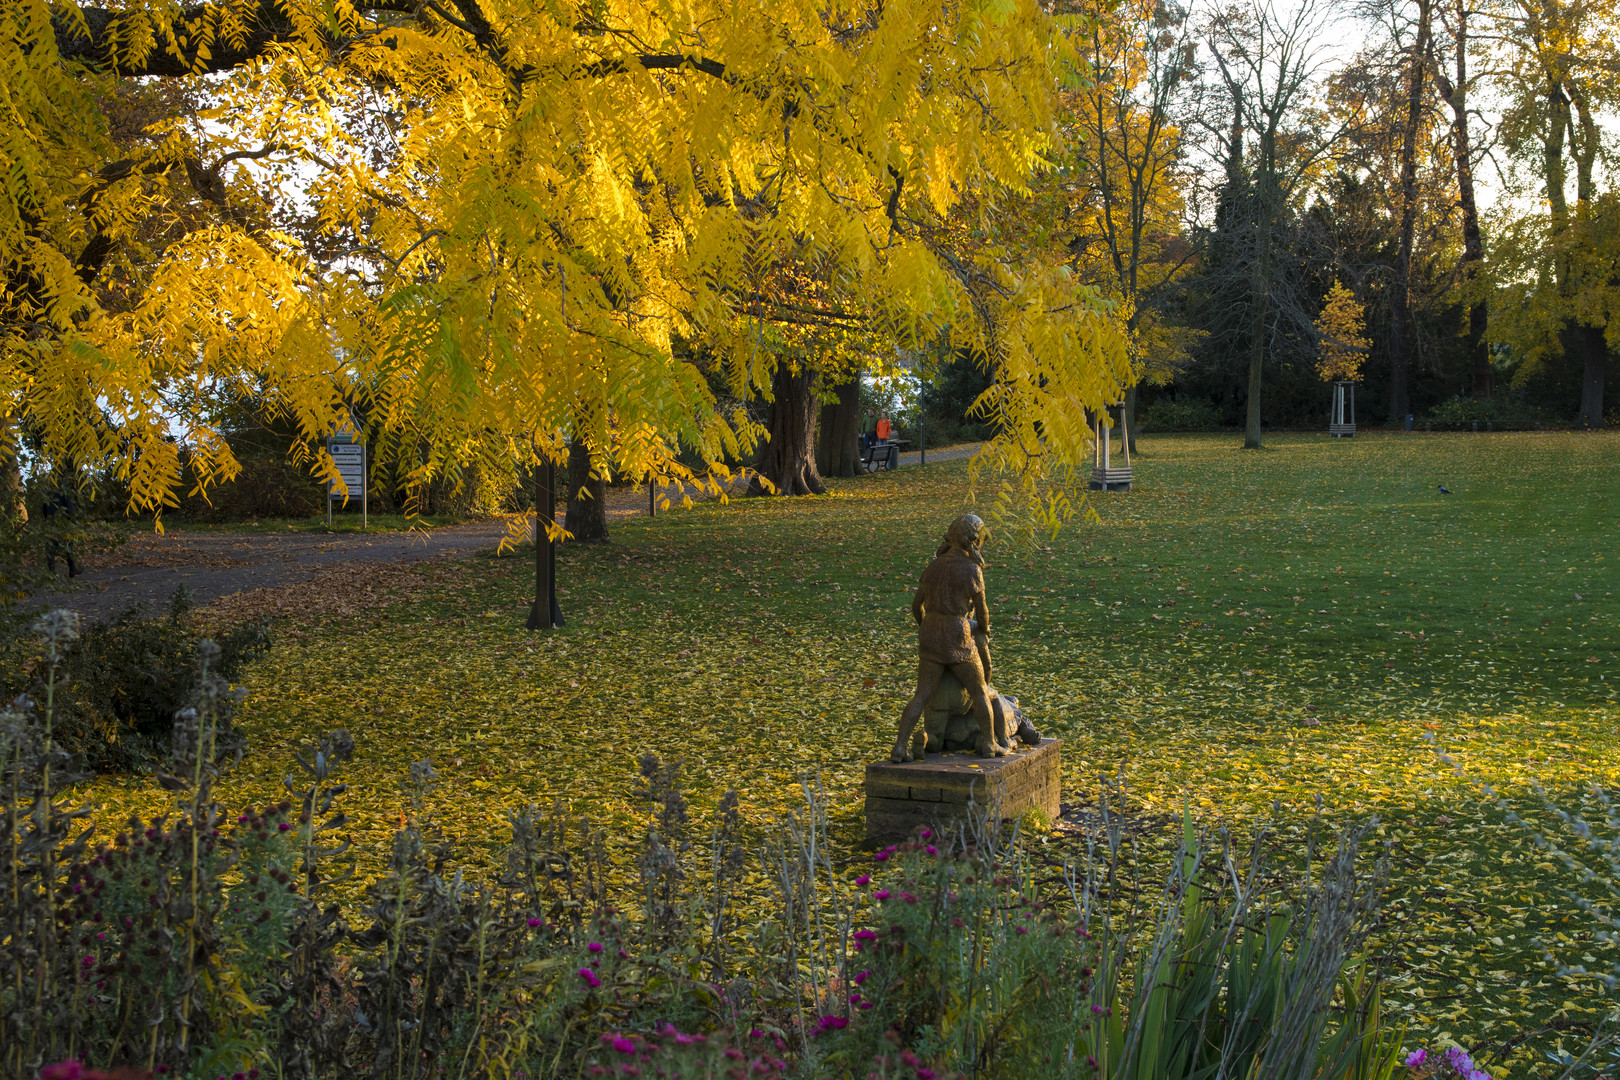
(1341, 348)
(489, 228)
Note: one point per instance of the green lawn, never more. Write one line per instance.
(1249, 632)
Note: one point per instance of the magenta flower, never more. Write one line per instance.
(534, 922)
(862, 976)
(932, 850)
(926, 834)
(590, 978)
(881, 894)
(595, 946)
(1416, 1058)
(863, 881)
(882, 856)
(624, 1045)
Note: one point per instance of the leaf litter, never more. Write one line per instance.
(1280, 640)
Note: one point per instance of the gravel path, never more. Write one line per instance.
(149, 567)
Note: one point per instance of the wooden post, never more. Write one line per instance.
(652, 497)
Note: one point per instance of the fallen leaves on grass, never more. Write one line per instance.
(1320, 615)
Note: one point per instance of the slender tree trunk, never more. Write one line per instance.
(587, 510)
(1130, 415)
(788, 460)
(1595, 350)
(1596, 353)
(836, 452)
(1482, 375)
(1259, 300)
(1400, 346)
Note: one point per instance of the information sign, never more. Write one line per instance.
(349, 455)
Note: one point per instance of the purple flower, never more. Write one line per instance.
(595, 946)
(932, 850)
(881, 894)
(882, 856)
(534, 922)
(1416, 1058)
(590, 977)
(863, 881)
(624, 1045)
(862, 976)
(926, 834)
(62, 1070)
(831, 1022)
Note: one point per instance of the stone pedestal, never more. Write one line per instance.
(936, 789)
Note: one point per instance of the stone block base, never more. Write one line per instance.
(936, 790)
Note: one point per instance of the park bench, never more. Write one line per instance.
(881, 456)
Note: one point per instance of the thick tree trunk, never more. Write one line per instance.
(836, 452)
(1596, 351)
(788, 460)
(1400, 348)
(1482, 376)
(587, 494)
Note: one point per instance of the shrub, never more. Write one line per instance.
(123, 680)
(1504, 413)
(207, 943)
(1179, 414)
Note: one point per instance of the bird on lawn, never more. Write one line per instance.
(1444, 490)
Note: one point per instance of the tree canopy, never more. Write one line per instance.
(483, 226)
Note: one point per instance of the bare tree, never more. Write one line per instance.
(1269, 63)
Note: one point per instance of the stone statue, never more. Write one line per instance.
(953, 635)
(948, 724)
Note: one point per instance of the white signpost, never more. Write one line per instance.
(350, 458)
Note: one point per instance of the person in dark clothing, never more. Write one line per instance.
(60, 509)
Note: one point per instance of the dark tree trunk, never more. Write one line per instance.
(1483, 376)
(836, 453)
(788, 460)
(1259, 295)
(587, 495)
(1400, 345)
(1130, 415)
(1597, 352)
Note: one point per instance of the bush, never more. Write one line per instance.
(121, 683)
(1179, 414)
(207, 943)
(1503, 413)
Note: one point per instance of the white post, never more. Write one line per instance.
(1124, 435)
